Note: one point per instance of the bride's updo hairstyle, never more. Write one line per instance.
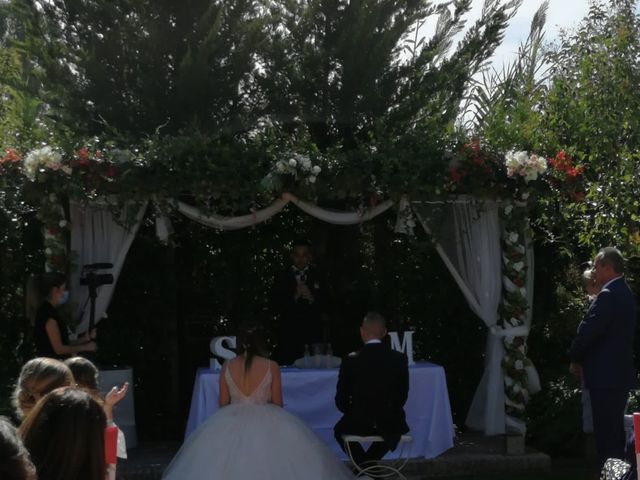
(250, 341)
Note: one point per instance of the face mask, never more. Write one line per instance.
(64, 297)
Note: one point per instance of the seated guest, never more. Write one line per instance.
(85, 374)
(373, 385)
(64, 435)
(15, 463)
(38, 377)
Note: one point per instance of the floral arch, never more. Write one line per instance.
(483, 238)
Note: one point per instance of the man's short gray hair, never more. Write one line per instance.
(374, 318)
(611, 256)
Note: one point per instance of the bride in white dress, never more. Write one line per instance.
(252, 437)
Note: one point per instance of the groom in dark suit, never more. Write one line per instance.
(602, 353)
(373, 385)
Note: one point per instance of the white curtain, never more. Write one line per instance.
(469, 245)
(97, 238)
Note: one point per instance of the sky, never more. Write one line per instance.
(561, 15)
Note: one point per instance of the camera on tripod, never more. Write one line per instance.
(92, 279)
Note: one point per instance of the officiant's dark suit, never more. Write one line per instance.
(298, 298)
(602, 352)
(372, 389)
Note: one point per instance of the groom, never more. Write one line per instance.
(373, 385)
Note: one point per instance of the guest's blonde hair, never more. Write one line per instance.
(37, 378)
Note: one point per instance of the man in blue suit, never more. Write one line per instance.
(602, 353)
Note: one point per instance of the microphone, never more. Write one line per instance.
(98, 266)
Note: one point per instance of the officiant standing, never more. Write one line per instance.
(298, 299)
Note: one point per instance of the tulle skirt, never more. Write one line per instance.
(246, 442)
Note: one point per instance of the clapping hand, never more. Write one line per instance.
(114, 396)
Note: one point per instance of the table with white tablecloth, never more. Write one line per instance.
(309, 394)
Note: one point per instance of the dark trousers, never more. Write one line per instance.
(608, 406)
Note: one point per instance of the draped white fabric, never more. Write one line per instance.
(97, 238)
(341, 218)
(231, 223)
(469, 245)
(258, 216)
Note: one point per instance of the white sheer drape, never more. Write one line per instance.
(231, 223)
(469, 245)
(97, 238)
(258, 216)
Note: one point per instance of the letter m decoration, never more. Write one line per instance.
(405, 347)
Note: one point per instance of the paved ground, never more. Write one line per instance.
(473, 455)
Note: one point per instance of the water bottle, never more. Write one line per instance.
(307, 357)
(329, 357)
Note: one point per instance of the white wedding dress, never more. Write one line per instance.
(252, 439)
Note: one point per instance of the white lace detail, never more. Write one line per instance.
(260, 396)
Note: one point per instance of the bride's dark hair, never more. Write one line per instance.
(250, 340)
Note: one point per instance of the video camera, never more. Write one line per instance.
(92, 279)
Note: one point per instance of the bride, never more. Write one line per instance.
(252, 436)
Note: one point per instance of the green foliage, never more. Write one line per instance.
(504, 107)
(593, 110)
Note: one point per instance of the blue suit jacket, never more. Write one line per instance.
(604, 344)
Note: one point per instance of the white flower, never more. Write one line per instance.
(516, 388)
(305, 162)
(519, 365)
(512, 237)
(518, 266)
(293, 162)
(523, 292)
(525, 195)
(52, 197)
(316, 170)
(44, 157)
(281, 167)
(514, 321)
(62, 223)
(48, 251)
(508, 209)
(525, 165)
(66, 169)
(509, 339)
(312, 179)
(508, 381)
(522, 349)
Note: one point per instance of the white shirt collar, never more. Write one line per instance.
(373, 340)
(610, 282)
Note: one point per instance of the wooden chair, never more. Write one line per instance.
(380, 469)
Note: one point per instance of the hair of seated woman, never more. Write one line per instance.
(15, 462)
(84, 372)
(250, 341)
(64, 435)
(38, 377)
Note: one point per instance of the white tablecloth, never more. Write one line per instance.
(310, 393)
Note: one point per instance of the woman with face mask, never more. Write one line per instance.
(50, 333)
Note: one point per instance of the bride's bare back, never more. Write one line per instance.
(247, 382)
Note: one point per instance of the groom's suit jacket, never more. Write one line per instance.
(372, 389)
(604, 343)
